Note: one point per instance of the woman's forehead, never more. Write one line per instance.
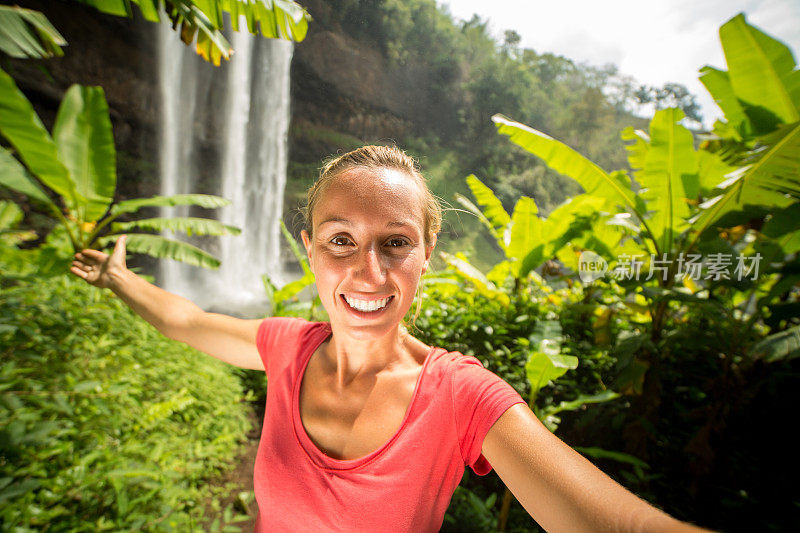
(374, 194)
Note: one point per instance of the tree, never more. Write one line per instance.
(670, 95)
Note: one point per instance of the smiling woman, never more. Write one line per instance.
(367, 428)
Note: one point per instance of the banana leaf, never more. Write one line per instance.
(492, 208)
(188, 225)
(14, 176)
(202, 200)
(85, 144)
(770, 181)
(27, 33)
(782, 346)
(763, 74)
(718, 84)
(161, 248)
(670, 177)
(23, 129)
(565, 160)
(526, 229)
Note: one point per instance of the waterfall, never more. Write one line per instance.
(224, 131)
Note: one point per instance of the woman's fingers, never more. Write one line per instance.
(118, 255)
(78, 272)
(96, 255)
(81, 265)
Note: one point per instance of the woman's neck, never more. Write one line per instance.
(351, 357)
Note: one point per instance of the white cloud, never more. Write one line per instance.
(655, 42)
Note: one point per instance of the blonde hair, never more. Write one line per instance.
(376, 158)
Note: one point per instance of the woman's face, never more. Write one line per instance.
(368, 249)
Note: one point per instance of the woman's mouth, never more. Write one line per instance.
(366, 306)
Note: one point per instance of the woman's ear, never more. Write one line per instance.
(428, 253)
(307, 243)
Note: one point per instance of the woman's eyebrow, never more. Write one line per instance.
(392, 224)
(335, 219)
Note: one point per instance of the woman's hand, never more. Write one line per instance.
(99, 268)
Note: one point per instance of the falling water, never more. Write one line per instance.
(224, 131)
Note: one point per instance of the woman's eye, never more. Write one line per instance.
(340, 241)
(396, 243)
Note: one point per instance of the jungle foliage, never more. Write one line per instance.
(105, 425)
(696, 351)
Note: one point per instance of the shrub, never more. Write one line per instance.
(104, 423)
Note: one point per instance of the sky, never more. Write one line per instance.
(655, 41)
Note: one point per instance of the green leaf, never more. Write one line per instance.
(568, 222)
(10, 214)
(771, 180)
(545, 362)
(27, 33)
(637, 150)
(23, 129)
(763, 74)
(472, 208)
(14, 176)
(718, 83)
(149, 9)
(188, 225)
(546, 366)
(277, 18)
(85, 143)
(298, 253)
(580, 401)
(565, 160)
(202, 200)
(600, 453)
(161, 248)
(669, 175)
(783, 228)
(292, 289)
(782, 346)
(211, 43)
(526, 229)
(712, 171)
(474, 276)
(281, 19)
(492, 208)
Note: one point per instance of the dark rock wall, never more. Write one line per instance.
(339, 84)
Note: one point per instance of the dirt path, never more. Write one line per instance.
(241, 479)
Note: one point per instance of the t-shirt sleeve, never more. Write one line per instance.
(479, 398)
(274, 336)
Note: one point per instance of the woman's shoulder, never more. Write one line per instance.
(282, 328)
(291, 322)
(454, 362)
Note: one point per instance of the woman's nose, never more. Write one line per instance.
(370, 268)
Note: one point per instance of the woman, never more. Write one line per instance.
(366, 427)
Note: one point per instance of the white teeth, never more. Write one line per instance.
(367, 305)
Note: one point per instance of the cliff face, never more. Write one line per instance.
(345, 85)
(116, 54)
(339, 85)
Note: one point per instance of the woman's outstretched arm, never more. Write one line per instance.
(560, 488)
(227, 338)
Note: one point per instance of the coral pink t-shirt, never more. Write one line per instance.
(404, 485)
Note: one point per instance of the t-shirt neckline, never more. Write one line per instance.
(320, 458)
